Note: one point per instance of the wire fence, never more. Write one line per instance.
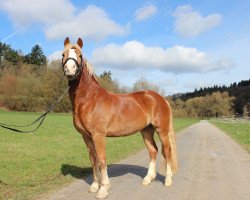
(239, 124)
(232, 119)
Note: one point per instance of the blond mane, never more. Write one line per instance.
(90, 70)
(89, 67)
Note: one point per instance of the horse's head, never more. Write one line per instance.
(72, 60)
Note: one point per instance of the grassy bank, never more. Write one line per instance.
(238, 131)
(34, 164)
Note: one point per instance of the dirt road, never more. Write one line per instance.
(212, 166)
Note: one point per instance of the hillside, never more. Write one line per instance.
(241, 92)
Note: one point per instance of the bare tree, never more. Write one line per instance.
(143, 84)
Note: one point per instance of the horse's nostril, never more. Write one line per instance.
(66, 70)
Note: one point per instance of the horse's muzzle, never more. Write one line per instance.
(70, 78)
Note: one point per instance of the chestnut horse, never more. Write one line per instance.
(98, 113)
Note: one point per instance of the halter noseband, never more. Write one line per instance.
(79, 66)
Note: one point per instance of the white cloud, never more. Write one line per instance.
(61, 18)
(26, 12)
(56, 55)
(199, 84)
(190, 23)
(145, 12)
(91, 22)
(177, 59)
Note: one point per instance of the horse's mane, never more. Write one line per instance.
(90, 70)
(89, 67)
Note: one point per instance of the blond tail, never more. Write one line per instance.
(173, 158)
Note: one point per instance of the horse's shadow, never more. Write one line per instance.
(114, 170)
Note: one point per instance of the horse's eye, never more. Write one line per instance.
(63, 55)
(80, 56)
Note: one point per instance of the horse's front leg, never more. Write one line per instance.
(94, 187)
(100, 146)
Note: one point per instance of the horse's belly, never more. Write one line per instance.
(126, 126)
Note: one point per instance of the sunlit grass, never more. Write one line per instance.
(238, 131)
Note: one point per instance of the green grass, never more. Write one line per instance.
(238, 131)
(32, 165)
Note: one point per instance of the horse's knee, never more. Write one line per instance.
(153, 153)
(102, 163)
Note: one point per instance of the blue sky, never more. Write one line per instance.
(179, 45)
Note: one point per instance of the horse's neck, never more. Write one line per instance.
(83, 87)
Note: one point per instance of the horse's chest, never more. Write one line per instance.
(78, 123)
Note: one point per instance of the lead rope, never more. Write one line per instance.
(40, 119)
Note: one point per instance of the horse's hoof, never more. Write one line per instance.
(93, 190)
(168, 183)
(148, 179)
(94, 187)
(145, 182)
(101, 196)
(102, 193)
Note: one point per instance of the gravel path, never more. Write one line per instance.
(212, 166)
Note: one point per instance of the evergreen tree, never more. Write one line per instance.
(106, 75)
(36, 57)
(108, 83)
(7, 54)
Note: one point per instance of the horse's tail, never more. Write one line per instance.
(173, 153)
(172, 138)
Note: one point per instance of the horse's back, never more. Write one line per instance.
(152, 100)
(135, 111)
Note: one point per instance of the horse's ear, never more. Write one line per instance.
(80, 42)
(66, 41)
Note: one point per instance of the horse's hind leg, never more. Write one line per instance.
(163, 122)
(166, 153)
(148, 136)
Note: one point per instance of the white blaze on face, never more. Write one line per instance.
(70, 66)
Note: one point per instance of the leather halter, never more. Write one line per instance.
(79, 66)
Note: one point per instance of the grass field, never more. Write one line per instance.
(238, 131)
(32, 165)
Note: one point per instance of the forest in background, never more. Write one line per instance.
(241, 92)
(28, 82)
